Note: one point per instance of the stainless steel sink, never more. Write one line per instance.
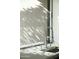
(52, 53)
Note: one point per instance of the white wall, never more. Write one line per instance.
(37, 13)
(33, 21)
(55, 20)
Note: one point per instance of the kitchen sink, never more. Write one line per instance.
(51, 53)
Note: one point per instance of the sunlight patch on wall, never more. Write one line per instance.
(33, 21)
(28, 4)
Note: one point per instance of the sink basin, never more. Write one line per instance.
(50, 53)
(53, 49)
(39, 55)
